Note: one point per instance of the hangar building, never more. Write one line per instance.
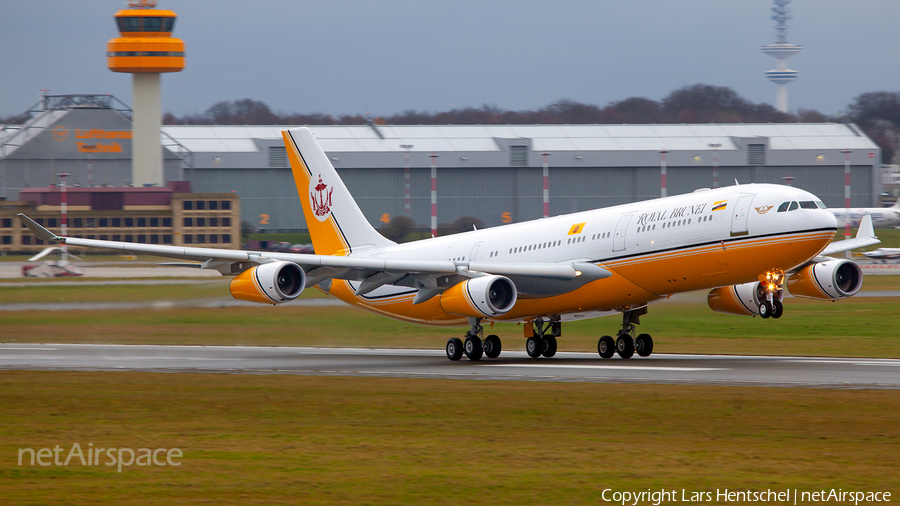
(491, 172)
(495, 173)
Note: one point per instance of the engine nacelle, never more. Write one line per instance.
(481, 297)
(834, 279)
(737, 299)
(271, 283)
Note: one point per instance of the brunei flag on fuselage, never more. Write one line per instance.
(718, 206)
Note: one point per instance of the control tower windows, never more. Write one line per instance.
(145, 24)
(129, 24)
(152, 24)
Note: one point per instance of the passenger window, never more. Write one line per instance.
(794, 206)
(783, 207)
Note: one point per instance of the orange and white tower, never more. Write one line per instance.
(145, 48)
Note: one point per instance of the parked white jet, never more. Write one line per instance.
(882, 217)
(743, 242)
(883, 253)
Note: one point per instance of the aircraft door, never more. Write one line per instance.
(621, 228)
(740, 214)
(473, 256)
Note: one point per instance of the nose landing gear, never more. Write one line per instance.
(770, 293)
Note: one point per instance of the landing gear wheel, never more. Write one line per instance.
(643, 345)
(625, 346)
(492, 346)
(765, 309)
(549, 346)
(473, 348)
(534, 346)
(606, 347)
(454, 349)
(777, 309)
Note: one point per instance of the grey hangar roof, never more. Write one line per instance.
(362, 146)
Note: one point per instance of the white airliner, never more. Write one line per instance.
(541, 273)
(883, 253)
(882, 217)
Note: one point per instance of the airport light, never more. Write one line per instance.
(434, 157)
(406, 203)
(715, 147)
(546, 184)
(847, 192)
(662, 172)
(64, 219)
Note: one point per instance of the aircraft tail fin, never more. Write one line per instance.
(896, 204)
(336, 224)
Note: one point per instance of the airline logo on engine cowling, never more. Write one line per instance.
(320, 198)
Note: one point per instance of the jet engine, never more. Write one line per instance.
(834, 279)
(737, 299)
(271, 283)
(481, 297)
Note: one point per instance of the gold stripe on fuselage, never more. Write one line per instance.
(636, 280)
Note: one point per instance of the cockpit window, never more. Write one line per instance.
(821, 204)
(783, 207)
(794, 205)
(808, 205)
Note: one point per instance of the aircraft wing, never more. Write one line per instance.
(865, 236)
(374, 272)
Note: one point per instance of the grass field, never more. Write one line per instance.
(286, 439)
(318, 440)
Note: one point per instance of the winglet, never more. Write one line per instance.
(865, 236)
(866, 230)
(39, 231)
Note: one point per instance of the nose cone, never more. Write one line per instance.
(824, 219)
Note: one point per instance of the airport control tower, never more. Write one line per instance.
(145, 48)
(781, 50)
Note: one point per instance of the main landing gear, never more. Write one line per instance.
(626, 344)
(543, 337)
(474, 347)
(770, 293)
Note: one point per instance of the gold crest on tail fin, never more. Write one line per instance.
(336, 224)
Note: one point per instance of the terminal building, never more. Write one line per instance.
(490, 172)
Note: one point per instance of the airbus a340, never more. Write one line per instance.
(743, 242)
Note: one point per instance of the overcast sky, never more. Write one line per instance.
(387, 56)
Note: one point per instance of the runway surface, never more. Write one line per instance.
(512, 365)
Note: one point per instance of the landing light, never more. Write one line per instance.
(577, 273)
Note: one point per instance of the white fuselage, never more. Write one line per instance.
(882, 217)
(883, 253)
(626, 230)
